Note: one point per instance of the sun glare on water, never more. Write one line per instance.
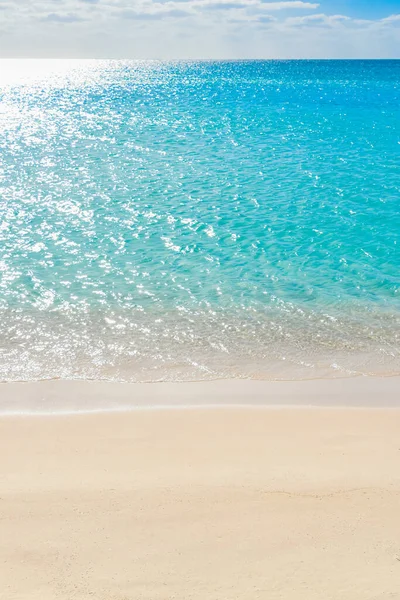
(22, 72)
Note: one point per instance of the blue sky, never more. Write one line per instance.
(367, 9)
(200, 28)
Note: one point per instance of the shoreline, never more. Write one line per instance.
(69, 397)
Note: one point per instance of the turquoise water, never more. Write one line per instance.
(195, 220)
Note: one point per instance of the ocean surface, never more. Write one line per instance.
(199, 220)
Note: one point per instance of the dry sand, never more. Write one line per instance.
(215, 504)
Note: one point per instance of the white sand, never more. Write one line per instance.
(203, 504)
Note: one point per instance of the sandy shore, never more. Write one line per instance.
(47, 397)
(217, 504)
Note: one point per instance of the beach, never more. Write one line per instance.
(199, 312)
(219, 503)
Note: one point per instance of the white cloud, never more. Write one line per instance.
(195, 7)
(246, 4)
(318, 20)
(391, 19)
(190, 28)
(40, 8)
(63, 18)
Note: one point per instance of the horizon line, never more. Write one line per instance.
(200, 59)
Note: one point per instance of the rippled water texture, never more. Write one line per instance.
(198, 220)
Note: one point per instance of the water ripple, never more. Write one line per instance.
(199, 220)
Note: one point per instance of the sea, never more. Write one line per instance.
(198, 220)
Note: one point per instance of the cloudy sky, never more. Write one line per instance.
(200, 28)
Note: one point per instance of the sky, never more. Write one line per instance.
(190, 29)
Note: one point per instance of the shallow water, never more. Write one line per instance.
(198, 220)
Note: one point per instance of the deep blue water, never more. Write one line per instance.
(193, 220)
